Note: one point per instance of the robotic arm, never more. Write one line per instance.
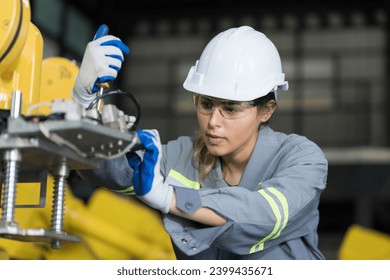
(21, 50)
(57, 139)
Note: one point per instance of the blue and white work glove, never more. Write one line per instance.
(101, 63)
(148, 181)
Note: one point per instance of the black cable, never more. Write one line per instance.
(120, 92)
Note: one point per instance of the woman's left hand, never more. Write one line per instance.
(148, 181)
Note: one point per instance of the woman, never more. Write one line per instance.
(238, 190)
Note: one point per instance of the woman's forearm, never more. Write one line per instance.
(202, 215)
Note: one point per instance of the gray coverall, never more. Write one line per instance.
(272, 213)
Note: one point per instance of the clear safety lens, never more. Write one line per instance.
(228, 109)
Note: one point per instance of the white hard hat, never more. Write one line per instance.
(239, 64)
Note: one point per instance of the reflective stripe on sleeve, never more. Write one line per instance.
(284, 204)
(128, 191)
(182, 180)
(173, 178)
(279, 226)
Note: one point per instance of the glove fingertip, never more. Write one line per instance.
(95, 88)
(102, 31)
(116, 68)
(120, 58)
(126, 50)
(107, 78)
(101, 80)
(117, 43)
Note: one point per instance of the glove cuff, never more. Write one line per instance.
(159, 199)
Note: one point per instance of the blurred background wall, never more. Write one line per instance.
(335, 55)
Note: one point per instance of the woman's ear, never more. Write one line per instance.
(267, 110)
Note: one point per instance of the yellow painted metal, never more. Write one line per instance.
(15, 17)
(361, 243)
(111, 227)
(58, 77)
(144, 235)
(21, 51)
(116, 227)
(3, 255)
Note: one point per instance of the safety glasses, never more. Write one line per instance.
(229, 109)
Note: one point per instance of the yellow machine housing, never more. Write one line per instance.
(361, 243)
(111, 227)
(21, 50)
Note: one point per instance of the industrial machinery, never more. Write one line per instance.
(44, 136)
(362, 243)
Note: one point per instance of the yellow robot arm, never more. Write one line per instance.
(21, 51)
